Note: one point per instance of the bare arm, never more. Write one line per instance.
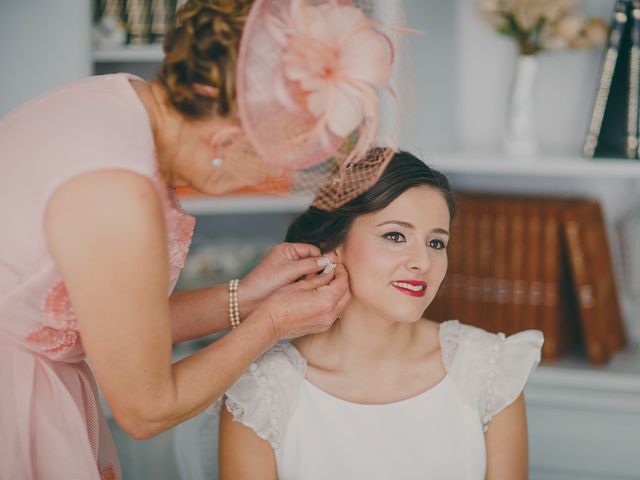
(196, 313)
(507, 445)
(204, 311)
(106, 233)
(242, 455)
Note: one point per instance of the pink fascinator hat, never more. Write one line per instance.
(310, 77)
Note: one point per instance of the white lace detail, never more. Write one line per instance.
(450, 334)
(489, 353)
(490, 369)
(264, 397)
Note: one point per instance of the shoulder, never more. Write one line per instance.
(489, 369)
(94, 122)
(265, 396)
(115, 198)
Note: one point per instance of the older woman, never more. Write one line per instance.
(93, 237)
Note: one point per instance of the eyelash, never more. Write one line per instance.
(394, 237)
(440, 244)
(389, 236)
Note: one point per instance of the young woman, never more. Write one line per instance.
(384, 393)
(93, 237)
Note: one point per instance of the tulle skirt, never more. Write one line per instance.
(52, 426)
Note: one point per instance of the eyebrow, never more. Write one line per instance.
(411, 226)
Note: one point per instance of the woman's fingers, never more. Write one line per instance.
(307, 267)
(310, 305)
(316, 281)
(298, 251)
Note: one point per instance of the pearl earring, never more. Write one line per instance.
(217, 162)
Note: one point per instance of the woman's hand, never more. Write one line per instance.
(284, 264)
(307, 306)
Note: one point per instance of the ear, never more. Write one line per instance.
(338, 252)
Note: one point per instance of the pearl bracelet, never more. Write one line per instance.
(234, 309)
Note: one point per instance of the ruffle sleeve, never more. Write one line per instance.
(490, 370)
(265, 396)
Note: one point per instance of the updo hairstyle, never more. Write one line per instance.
(202, 48)
(329, 229)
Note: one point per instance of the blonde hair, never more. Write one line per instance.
(202, 48)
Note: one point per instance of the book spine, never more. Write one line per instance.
(551, 257)
(471, 313)
(609, 312)
(486, 257)
(455, 278)
(634, 82)
(162, 18)
(618, 22)
(517, 265)
(138, 24)
(584, 287)
(502, 286)
(535, 244)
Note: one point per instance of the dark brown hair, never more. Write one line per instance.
(328, 230)
(203, 48)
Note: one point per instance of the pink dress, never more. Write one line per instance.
(51, 423)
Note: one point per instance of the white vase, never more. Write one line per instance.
(520, 134)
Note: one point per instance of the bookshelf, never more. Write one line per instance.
(242, 204)
(583, 420)
(132, 55)
(550, 166)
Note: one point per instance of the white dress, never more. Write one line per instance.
(437, 434)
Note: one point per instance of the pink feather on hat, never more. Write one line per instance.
(309, 76)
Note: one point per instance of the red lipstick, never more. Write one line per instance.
(412, 288)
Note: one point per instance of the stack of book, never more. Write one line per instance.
(614, 126)
(145, 21)
(518, 263)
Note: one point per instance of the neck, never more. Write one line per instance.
(360, 339)
(166, 124)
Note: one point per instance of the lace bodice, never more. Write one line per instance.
(59, 330)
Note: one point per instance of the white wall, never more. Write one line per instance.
(462, 74)
(430, 125)
(43, 44)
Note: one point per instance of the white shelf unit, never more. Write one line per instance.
(242, 204)
(584, 421)
(550, 166)
(128, 54)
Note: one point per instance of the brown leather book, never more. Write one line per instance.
(576, 234)
(517, 266)
(471, 313)
(533, 253)
(551, 260)
(436, 310)
(601, 269)
(454, 291)
(502, 285)
(558, 313)
(486, 260)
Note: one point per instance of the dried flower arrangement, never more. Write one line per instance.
(539, 25)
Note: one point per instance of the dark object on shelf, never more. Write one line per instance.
(613, 130)
(138, 22)
(518, 263)
(146, 21)
(162, 18)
